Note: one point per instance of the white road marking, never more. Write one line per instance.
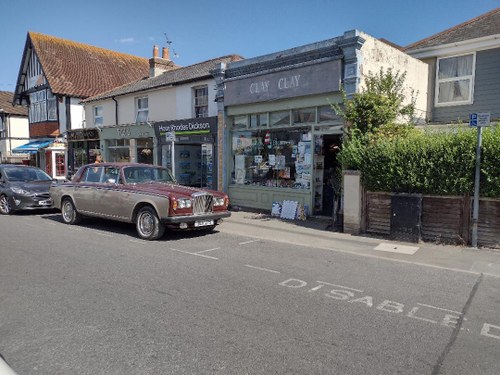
(205, 251)
(74, 228)
(247, 242)
(487, 268)
(49, 223)
(261, 269)
(395, 248)
(106, 234)
(199, 255)
(138, 241)
(488, 330)
(339, 286)
(439, 308)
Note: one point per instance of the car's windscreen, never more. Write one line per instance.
(26, 174)
(147, 174)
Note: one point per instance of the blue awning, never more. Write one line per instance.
(32, 147)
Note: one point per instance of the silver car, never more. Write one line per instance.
(143, 194)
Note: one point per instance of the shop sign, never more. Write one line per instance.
(82, 135)
(308, 80)
(188, 127)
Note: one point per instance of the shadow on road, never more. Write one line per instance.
(126, 229)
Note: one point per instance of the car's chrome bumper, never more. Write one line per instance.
(192, 218)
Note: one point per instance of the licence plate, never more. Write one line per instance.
(47, 202)
(203, 223)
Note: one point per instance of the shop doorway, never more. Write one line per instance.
(328, 177)
(191, 163)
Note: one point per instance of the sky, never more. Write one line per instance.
(199, 30)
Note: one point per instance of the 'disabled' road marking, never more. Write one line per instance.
(395, 248)
(261, 268)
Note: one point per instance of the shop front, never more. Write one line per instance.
(188, 148)
(284, 136)
(83, 148)
(128, 143)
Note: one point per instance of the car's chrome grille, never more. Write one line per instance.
(202, 203)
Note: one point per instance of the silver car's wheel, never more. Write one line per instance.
(69, 213)
(5, 208)
(148, 225)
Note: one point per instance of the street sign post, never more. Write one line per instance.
(477, 120)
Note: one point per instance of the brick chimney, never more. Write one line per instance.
(159, 65)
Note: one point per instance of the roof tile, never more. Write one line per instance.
(80, 70)
(481, 26)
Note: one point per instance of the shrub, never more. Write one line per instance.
(428, 162)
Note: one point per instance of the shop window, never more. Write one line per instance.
(305, 115)
(327, 114)
(280, 159)
(98, 119)
(240, 122)
(258, 120)
(118, 150)
(60, 167)
(142, 110)
(201, 101)
(280, 118)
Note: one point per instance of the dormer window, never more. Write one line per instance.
(142, 109)
(455, 80)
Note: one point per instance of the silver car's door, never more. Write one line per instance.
(86, 190)
(110, 199)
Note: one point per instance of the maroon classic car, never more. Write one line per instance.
(143, 194)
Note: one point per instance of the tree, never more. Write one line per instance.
(380, 103)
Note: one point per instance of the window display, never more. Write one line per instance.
(272, 158)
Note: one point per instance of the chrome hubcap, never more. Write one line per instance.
(146, 223)
(68, 211)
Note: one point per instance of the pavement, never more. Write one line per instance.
(317, 233)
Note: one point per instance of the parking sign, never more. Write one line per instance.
(479, 119)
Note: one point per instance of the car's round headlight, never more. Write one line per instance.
(219, 202)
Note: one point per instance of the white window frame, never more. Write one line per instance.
(140, 110)
(470, 77)
(51, 106)
(196, 100)
(98, 117)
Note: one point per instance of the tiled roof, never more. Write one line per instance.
(173, 77)
(6, 99)
(481, 26)
(80, 70)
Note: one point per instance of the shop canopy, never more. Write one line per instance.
(32, 147)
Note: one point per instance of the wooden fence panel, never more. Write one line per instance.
(445, 219)
(378, 213)
(488, 231)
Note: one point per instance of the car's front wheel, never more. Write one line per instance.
(69, 213)
(5, 208)
(148, 225)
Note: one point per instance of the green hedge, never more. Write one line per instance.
(428, 162)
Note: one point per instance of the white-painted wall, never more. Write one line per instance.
(165, 104)
(77, 113)
(15, 127)
(377, 54)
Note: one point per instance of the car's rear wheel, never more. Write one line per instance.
(5, 208)
(148, 225)
(69, 213)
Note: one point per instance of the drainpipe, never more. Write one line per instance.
(116, 110)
